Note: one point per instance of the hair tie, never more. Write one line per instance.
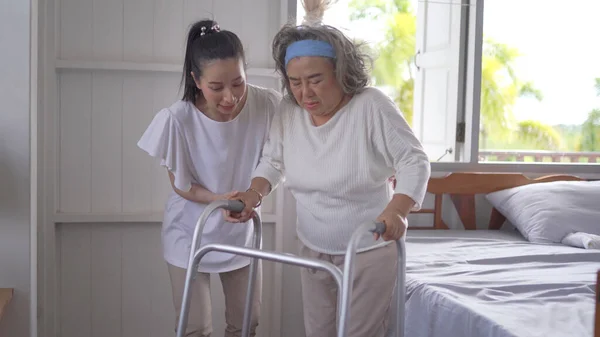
(215, 29)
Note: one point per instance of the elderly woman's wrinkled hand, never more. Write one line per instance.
(395, 225)
(249, 199)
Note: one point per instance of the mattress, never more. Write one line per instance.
(496, 284)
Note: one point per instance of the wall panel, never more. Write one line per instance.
(155, 30)
(75, 155)
(168, 31)
(107, 29)
(75, 27)
(114, 282)
(106, 143)
(138, 168)
(138, 30)
(102, 115)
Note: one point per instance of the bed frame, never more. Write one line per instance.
(463, 187)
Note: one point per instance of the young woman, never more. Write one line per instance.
(337, 141)
(210, 142)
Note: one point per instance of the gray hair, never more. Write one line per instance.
(352, 66)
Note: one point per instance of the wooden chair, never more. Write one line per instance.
(6, 295)
(597, 324)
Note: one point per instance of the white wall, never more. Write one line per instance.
(15, 164)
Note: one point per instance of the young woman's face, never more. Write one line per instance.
(223, 86)
(314, 85)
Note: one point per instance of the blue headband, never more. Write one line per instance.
(309, 48)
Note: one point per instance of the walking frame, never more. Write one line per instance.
(343, 280)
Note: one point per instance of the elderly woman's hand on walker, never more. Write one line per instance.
(394, 217)
(252, 198)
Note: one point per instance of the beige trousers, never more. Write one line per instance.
(235, 284)
(375, 274)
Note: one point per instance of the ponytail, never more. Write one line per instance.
(206, 42)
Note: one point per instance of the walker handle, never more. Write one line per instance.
(234, 206)
(379, 228)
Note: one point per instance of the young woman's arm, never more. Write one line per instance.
(198, 193)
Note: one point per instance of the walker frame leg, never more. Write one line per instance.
(290, 259)
(345, 316)
(192, 269)
(257, 241)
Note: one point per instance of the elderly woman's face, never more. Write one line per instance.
(313, 83)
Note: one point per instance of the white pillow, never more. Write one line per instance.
(547, 212)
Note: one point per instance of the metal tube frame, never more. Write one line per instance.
(192, 269)
(291, 259)
(349, 278)
(343, 280)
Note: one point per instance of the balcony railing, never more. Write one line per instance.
(538, 156)
(532, 157)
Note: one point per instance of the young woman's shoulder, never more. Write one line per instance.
(179, 110)
(165, 137)
(265, 95)
(266, 101)
(171, 120)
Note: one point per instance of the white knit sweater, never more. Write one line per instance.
(338, 172)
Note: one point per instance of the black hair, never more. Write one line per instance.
(207, 42)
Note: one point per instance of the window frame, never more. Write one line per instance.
(470, 95)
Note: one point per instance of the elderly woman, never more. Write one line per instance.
(336, 142)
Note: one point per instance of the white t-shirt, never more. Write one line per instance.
(220, 156)
(339, 172)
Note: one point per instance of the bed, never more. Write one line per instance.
(504, 281)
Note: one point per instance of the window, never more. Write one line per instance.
(415, 60)
(482, 84)
(540, 82)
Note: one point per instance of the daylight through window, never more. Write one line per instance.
(540, 75)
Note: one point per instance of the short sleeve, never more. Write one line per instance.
(164, 140)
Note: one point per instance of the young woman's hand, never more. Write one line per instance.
(225, 196)
(395, 225)
(250, 200)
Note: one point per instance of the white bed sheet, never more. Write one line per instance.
(496, 284)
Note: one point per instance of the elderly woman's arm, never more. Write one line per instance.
(401, 204)
(400, 149)
(270, 171)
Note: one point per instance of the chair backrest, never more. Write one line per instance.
(597, 325)
(6, 295)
